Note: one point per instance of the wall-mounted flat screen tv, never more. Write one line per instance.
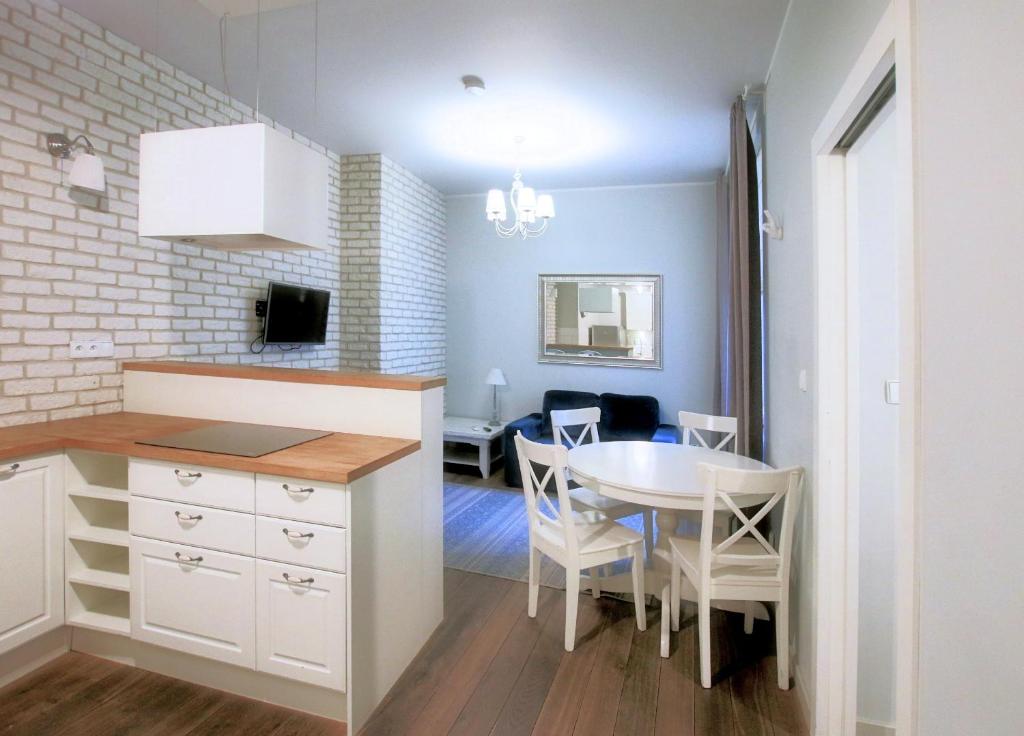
(296, 315)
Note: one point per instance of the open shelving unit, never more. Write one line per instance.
(96, 553)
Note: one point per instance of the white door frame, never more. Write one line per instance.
(836, 535)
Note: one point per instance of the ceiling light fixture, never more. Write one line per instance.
(474, 85)
(87, 171)
(527, 205)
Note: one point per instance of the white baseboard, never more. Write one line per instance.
(33, 654)
(873, 728)
(210, 673)
(802, 694)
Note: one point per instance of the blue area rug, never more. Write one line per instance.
(485, 531)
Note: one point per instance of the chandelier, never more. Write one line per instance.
(527, 205)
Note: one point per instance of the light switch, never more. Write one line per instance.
(892, 392)
(803, 379)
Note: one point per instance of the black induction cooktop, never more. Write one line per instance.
(234, 438)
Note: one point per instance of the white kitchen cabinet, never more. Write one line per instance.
(300, 624)
(194, 600)
(31, 548)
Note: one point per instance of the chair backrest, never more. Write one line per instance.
(540, 511)
(694, 424)
(563, 419)
(722, 486)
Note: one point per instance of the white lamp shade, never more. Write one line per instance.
(496, 378)
(496, 205)
(545, 206)
(527, 200)
(87, 173)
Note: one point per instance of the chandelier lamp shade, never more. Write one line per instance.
(532, 211)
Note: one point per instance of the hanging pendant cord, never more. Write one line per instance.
(316, 55)
(259, 78)
(224, 53)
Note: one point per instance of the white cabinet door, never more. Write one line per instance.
(300, 624)
(194, 600)
(31, 548)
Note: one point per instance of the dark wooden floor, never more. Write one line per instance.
(490, 669)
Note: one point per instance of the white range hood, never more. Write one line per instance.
(233, 187)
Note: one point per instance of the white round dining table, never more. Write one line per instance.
(664, 477)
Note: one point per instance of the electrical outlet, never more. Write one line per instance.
(92, 349)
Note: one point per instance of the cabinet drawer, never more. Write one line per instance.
(300, 624)
(320, 503)
(229, 531)
(226, 489)
(194, 600)
(299, 543)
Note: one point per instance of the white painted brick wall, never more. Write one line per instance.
(72, 265)
(393, 269)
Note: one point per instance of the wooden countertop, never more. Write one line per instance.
(337, 458)
(294, 375)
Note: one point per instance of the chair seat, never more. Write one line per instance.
(688, 549)
(593, 534)
(594, 500)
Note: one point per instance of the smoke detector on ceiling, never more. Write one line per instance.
(474, 85)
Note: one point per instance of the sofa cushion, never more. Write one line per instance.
(628, 417)
(559, 400)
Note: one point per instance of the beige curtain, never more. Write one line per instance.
(739, 283)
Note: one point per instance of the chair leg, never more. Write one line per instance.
(677, 585)
(595, 582)
(748, 619)
(534, 586)
(572, 600)
(639, 600)
(649, 533)
(782, 641)
(704, 635)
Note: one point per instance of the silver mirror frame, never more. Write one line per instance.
(611, 361)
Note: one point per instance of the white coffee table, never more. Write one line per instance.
(467, 441)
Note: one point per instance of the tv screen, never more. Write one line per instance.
(295, 315)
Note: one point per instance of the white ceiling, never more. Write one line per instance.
(605, 91)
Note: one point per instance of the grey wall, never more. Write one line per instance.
(819, 44)
(970, 200)
(492, 294)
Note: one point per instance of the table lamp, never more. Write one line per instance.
(495, 378)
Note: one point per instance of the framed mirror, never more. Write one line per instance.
(598, 319)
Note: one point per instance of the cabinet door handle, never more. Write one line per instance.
(13, 468)
(188, 517)
(292, 489)
(186, 558)
(297, 535)
(187, 476)
(299, 581)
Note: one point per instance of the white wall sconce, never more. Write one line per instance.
(87, 170)
(771, 226)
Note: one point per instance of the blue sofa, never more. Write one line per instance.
(622, 418)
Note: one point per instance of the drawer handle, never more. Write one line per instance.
(13, 468)
(297, 535)
(290, 489)
(186, 558)
(297, 581)
(188, 517)
(187, 476)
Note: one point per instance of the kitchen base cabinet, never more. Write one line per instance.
(194, 600)
(31, 549)
(300, 624)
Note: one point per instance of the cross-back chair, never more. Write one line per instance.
(566, 424)
(576, 541)
(745, 565)
(697, 430)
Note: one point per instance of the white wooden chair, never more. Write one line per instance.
(576, 541)
(694, 425)
(744, 566)
(584, 499)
